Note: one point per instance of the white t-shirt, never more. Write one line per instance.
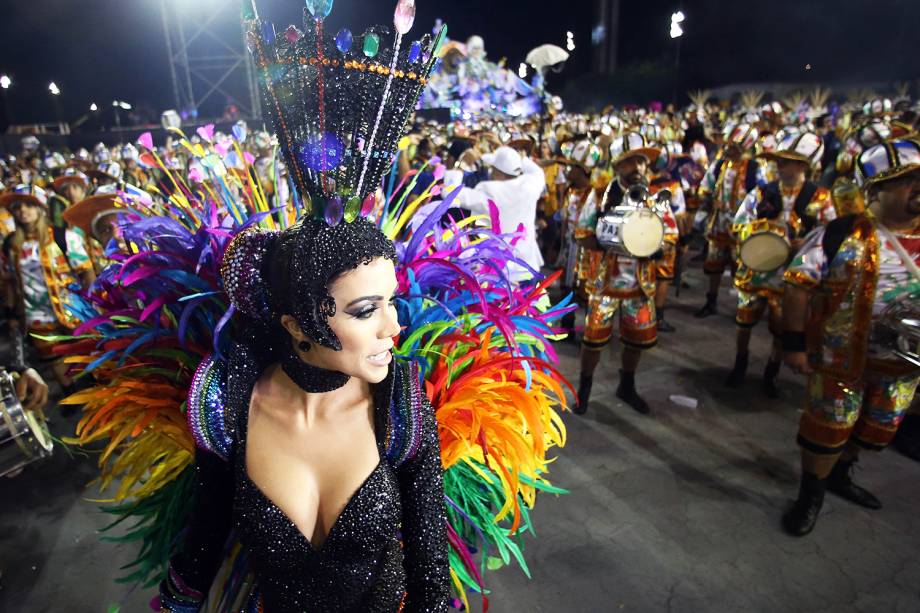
(516, 200)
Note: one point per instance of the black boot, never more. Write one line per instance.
(840, 482)
(709, 308)
(801, 518)
(584, 395)
(769, 379)
(736, 377)
(626, 392)
(663, 325)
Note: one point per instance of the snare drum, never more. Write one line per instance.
(765, 251)
(630, 231)
(23, 439)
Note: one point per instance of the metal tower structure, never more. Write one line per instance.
(605, 35)
(208, 61)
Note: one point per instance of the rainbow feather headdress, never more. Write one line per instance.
(339, 105)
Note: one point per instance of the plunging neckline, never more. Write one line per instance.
(290, 522)
(380, 404)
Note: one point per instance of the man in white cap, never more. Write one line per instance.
(515, 187)
(865, 266)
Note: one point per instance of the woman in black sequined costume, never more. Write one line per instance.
(329, 468)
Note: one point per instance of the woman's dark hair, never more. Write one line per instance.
(269, 275)
(308, 259)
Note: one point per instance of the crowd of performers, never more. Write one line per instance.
(832, 194)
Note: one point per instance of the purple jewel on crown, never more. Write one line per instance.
(339, 102)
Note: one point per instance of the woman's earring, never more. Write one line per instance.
(304, 346)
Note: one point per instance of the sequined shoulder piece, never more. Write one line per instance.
(404, 426)
(219, 389)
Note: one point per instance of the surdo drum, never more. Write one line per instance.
(23, 439)
(633, 229)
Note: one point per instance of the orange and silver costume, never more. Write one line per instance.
(859, 390)
(791, 213)
(617, 284)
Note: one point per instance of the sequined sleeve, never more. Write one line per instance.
(761, 175)
(747, 211)
(76, 251)
(214, 421)
(192, 569)
(821, 208)
(679, 201)
(424, 527)
(809, 266)
(586, 224)
(708, 184)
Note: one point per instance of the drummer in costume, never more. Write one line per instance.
(771, 220)
(863, 269)
(666, 270)
(618, 285)
(581, 159)
(727, 182)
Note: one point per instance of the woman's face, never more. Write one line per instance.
(26, 213)
(365, 323)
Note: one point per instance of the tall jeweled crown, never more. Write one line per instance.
(339, 105)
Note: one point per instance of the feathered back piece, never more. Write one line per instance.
(154, 313)
(484, 345)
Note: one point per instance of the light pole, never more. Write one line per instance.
(676, 32)
(5, 83)
(120, 105)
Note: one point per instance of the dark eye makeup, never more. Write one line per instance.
(368, 310)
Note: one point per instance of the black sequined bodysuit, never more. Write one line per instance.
(335, 577)
(387, 549)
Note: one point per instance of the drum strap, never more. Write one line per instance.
(774, 201)
(804, 198)
(613, 197)
(750, 175)
(836, 232)
(908, 261)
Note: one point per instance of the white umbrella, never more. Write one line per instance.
(546, 55)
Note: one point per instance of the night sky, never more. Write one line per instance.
(100, 50)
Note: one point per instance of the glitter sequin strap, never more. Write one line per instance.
(404, 429)
(421, 486)
(206, 408)
(177, 597)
